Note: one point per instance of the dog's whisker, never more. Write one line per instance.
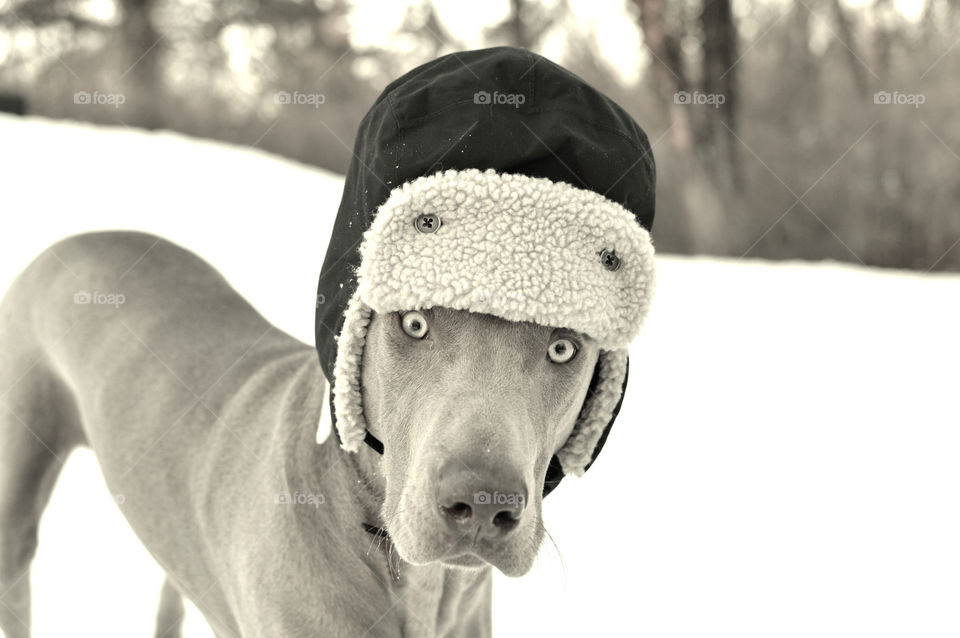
(556, 547)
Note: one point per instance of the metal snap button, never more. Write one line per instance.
(427, 223)
(610, 259)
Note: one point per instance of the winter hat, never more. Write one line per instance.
(498, 182)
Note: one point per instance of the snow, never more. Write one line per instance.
(785, 463)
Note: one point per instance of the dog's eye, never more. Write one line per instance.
(414, 324)
(561, 350)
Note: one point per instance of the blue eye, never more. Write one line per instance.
(561, 351)
(414, 324)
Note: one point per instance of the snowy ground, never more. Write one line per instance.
(787, 461)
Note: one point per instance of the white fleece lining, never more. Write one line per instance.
(596, 413)
(347, 400)
(517, 247)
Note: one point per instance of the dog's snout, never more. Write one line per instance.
(490, 501)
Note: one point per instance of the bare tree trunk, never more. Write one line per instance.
(702, 202)
(720, 72)
(142, 78)
(526, 23)
(440, 37)
(667, 71)
(516, 26)
(855, 61)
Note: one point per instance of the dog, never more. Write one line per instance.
(474, 312)
(203, 416)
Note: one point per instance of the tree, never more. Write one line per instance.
(685, 161)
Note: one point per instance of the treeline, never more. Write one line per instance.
(783, 129)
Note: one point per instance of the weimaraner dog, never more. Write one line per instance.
(204, 417)
(488, 267)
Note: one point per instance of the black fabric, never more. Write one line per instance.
(373, 442)
(554, 475)
(613, 417)
(555, 469)
(446, 114)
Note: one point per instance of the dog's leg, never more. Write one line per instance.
(36, 435)
(170, 614)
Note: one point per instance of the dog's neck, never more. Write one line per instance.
(431, 600)
(435, 600)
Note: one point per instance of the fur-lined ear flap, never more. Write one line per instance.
(598, 411)
(564, 257)
(347, 399)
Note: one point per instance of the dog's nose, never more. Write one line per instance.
(493, 499)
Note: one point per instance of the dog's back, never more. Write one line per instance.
(92, 352)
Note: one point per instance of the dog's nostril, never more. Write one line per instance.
(505, 520)
(481, 498)
(458, 512)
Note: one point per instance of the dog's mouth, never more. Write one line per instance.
(471, 534)
(503, 557)
(478, 557)
(468, 560)
(467, 552)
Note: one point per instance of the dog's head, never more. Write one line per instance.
(470, 409)
(445, 355)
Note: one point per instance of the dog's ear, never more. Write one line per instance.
(613, 416)
(325, 426)
(347, 402)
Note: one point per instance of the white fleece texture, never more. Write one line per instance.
(347, 400)
(517, 247)
(596, 413)
(522, 248)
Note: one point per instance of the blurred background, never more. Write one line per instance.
(814, 129)
(790, 463)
